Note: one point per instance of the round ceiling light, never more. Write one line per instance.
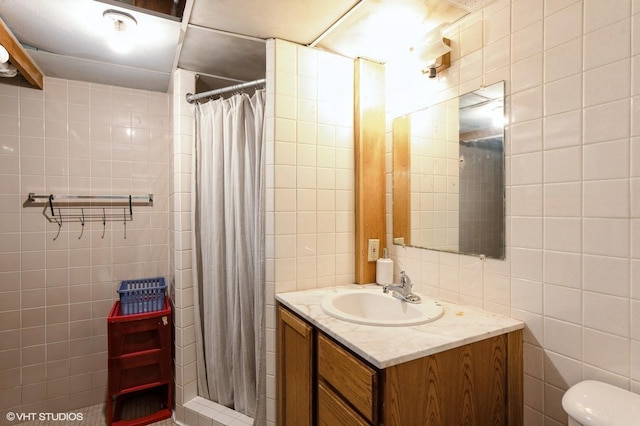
(4, 55)
(121, 21)
(120, 38)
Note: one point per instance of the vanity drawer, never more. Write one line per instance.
(332, 410)
(355, 381)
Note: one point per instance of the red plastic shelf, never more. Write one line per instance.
(151, 415)
(140, 351)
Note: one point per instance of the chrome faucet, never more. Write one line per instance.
(404, 290)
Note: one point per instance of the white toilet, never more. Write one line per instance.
(593, 403)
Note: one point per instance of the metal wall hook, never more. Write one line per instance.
(104, 223)
(59, 222)
(51, 204)
(82, 223)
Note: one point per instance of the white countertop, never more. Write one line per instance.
(384, 347)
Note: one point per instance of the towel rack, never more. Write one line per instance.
(88, 208)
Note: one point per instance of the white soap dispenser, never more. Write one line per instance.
(384, 269)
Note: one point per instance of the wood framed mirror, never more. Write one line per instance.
(448, 175)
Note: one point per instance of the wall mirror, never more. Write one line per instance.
(448, 175)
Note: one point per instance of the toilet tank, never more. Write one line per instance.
(594, 403)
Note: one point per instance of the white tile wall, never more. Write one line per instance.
(180, 247)
(571, 271)
(312, 168)
(85, 139)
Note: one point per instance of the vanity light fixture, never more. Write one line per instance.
(121, 23)
(437, 53)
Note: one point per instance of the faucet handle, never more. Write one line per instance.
(404, 279)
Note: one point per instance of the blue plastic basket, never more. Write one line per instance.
(141, 296)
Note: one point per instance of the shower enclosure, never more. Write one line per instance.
(227, 217)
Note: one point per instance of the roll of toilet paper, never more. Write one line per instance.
(384, 271)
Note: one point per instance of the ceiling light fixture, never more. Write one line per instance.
(6, 68)
(4, 55)
(121, 23)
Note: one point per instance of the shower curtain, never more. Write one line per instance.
(228, 252)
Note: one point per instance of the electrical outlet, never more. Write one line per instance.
(373, 250)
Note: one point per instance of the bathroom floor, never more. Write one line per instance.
(91, 416)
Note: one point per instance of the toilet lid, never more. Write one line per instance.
(594, 403)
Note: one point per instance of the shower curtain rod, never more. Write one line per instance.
(191, 98)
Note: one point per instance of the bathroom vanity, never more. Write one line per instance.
(463, 368)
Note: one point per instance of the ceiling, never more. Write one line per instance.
(221, 40)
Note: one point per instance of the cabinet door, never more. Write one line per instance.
(461, 386)
(333, 411)
(295, 370)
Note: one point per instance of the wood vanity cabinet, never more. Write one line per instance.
(475, 384)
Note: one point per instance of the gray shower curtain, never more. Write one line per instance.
(228, 252)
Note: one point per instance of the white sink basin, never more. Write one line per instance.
(373, 307)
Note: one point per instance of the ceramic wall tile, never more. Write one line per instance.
(497, 55)
(527, 200)
(563, 234)
(607, 122)
(527, 105)
(607, 44)
(608, 160)
(610, 314)
(563, 337)
(606, 199)
(607, 351)
(525, 12)
(471, 36)
(607, 237)
(563, 199)
(563, 165)
(497, 25)
(563, 95)
(526, 295)
(563, 25)
(598, 14)
(561, 372)
(527, 41)
(606, 275)
(563, 303)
